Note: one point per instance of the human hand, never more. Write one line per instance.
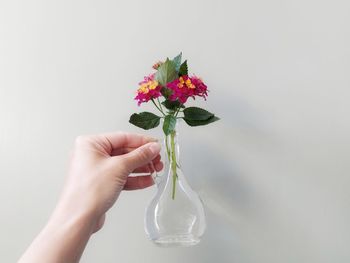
(99, 170)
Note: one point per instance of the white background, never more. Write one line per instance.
(273, 173)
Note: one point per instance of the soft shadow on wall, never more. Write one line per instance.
(209, 164)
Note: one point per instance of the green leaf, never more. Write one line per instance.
(201, 122)
(169, 124)
(166, 72)
(172, 105)
(197, 114)
(177, 61)
(145, 120)
(183, 69)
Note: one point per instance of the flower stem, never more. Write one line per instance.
(167, 147)
(178, 110)
(173, 162)
(158, 107)
(160, 104)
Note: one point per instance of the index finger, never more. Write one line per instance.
(124, 139)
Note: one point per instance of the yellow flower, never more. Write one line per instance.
(186, 82)
(189, 84)
(147, 86)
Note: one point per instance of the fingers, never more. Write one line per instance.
(140, 156)
(122, 150)
(158, 165)
(138, 182)
(127, 140)
(148, 168)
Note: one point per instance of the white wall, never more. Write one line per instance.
(273, 173)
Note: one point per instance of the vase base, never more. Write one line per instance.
(176, 241)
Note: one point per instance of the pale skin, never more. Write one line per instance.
(100, 168)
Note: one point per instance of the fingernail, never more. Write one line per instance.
(154, 147)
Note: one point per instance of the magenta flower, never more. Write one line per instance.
(185, 87)
(149, 89)
(201, 88)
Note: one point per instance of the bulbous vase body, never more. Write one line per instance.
(175, 216)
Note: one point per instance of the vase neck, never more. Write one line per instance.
(172, 149)
(171, 146)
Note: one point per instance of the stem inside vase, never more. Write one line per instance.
(173, 162)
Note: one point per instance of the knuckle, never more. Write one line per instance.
(143, 154)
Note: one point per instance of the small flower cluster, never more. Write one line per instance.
(185, 87)
(149, 89)
(182, 88)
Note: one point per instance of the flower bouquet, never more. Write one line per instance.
(168, 89)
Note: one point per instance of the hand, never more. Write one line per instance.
(100, 168)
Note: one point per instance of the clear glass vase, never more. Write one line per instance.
(175, 216)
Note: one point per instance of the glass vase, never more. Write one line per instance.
(175, 216)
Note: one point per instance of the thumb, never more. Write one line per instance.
(141, 156)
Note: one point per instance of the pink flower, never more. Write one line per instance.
(149, 89)
(185, 87)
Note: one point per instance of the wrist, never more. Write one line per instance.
(63, 239)
(66, 216)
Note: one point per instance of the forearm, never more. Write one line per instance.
(62, 240)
